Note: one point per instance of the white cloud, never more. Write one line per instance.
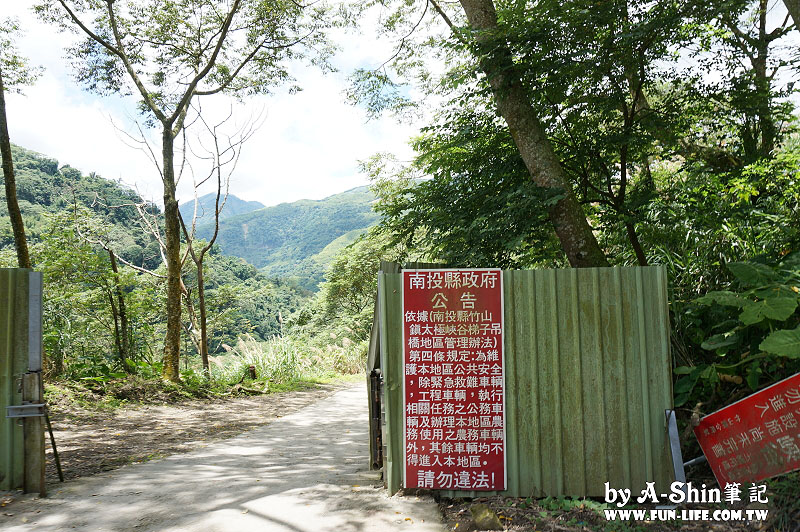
(310, 142)
(77, 132)
(307, 147)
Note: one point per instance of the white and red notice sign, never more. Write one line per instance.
(755, 438)
(453, 386)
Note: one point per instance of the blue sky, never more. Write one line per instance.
(308, 146)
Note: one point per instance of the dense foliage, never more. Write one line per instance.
(674, 123)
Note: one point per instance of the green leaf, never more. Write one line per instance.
(752, 314)
(683, 370)
(685, 384)
(723, 297)
(719, 341)
(752, 273)
(779, 308)
(775, 308)
(777, 290)
(680, 399)
(753, 373)
(785, 342)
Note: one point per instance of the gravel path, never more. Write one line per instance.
(305, 472)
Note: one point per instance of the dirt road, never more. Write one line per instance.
(305, 472)
(91, 441)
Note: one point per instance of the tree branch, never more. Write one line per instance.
(128, 66)
(246, 60)
(190, 90)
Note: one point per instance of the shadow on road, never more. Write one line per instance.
(307, 472)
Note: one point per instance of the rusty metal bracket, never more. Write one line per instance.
(694, 461)
(675, 453)
(675, 447)
(25, 410)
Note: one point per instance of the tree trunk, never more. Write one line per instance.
(172, 237)
(201, 296)
(124, 337)
(23, 259)
(768, 130)
(567, 216)
(767, 126)
(117, 332)
(793, 6)
(635, 244)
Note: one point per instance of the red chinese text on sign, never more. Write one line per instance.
(453, 400)
(755, 438)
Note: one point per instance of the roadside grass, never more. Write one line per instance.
(784, 496)
(77, 394)
(84, 397)
(282, 361)
(280, 364)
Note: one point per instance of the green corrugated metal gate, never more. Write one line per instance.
(20, 352)
(588, 378)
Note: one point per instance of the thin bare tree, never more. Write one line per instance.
(223, 155)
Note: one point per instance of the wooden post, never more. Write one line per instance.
(33, 432)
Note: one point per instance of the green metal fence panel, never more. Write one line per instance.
(14, 354)
(389, 300)
(588, 378)
(386, 315)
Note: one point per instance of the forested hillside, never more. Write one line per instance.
(297, 240)
(74, 223)
(46, 191)
(294, 241)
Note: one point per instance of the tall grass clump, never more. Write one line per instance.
(288, 359)
(338, 356)
(278, 360)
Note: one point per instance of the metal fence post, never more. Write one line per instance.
(33, 431)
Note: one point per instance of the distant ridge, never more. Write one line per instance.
(205, 208)
(297, 240)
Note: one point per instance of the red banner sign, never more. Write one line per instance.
(453, 386)
(755, 438)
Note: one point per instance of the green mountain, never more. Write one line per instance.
(205, 208)
(297, 240)
(240, 297)
(45, 190)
